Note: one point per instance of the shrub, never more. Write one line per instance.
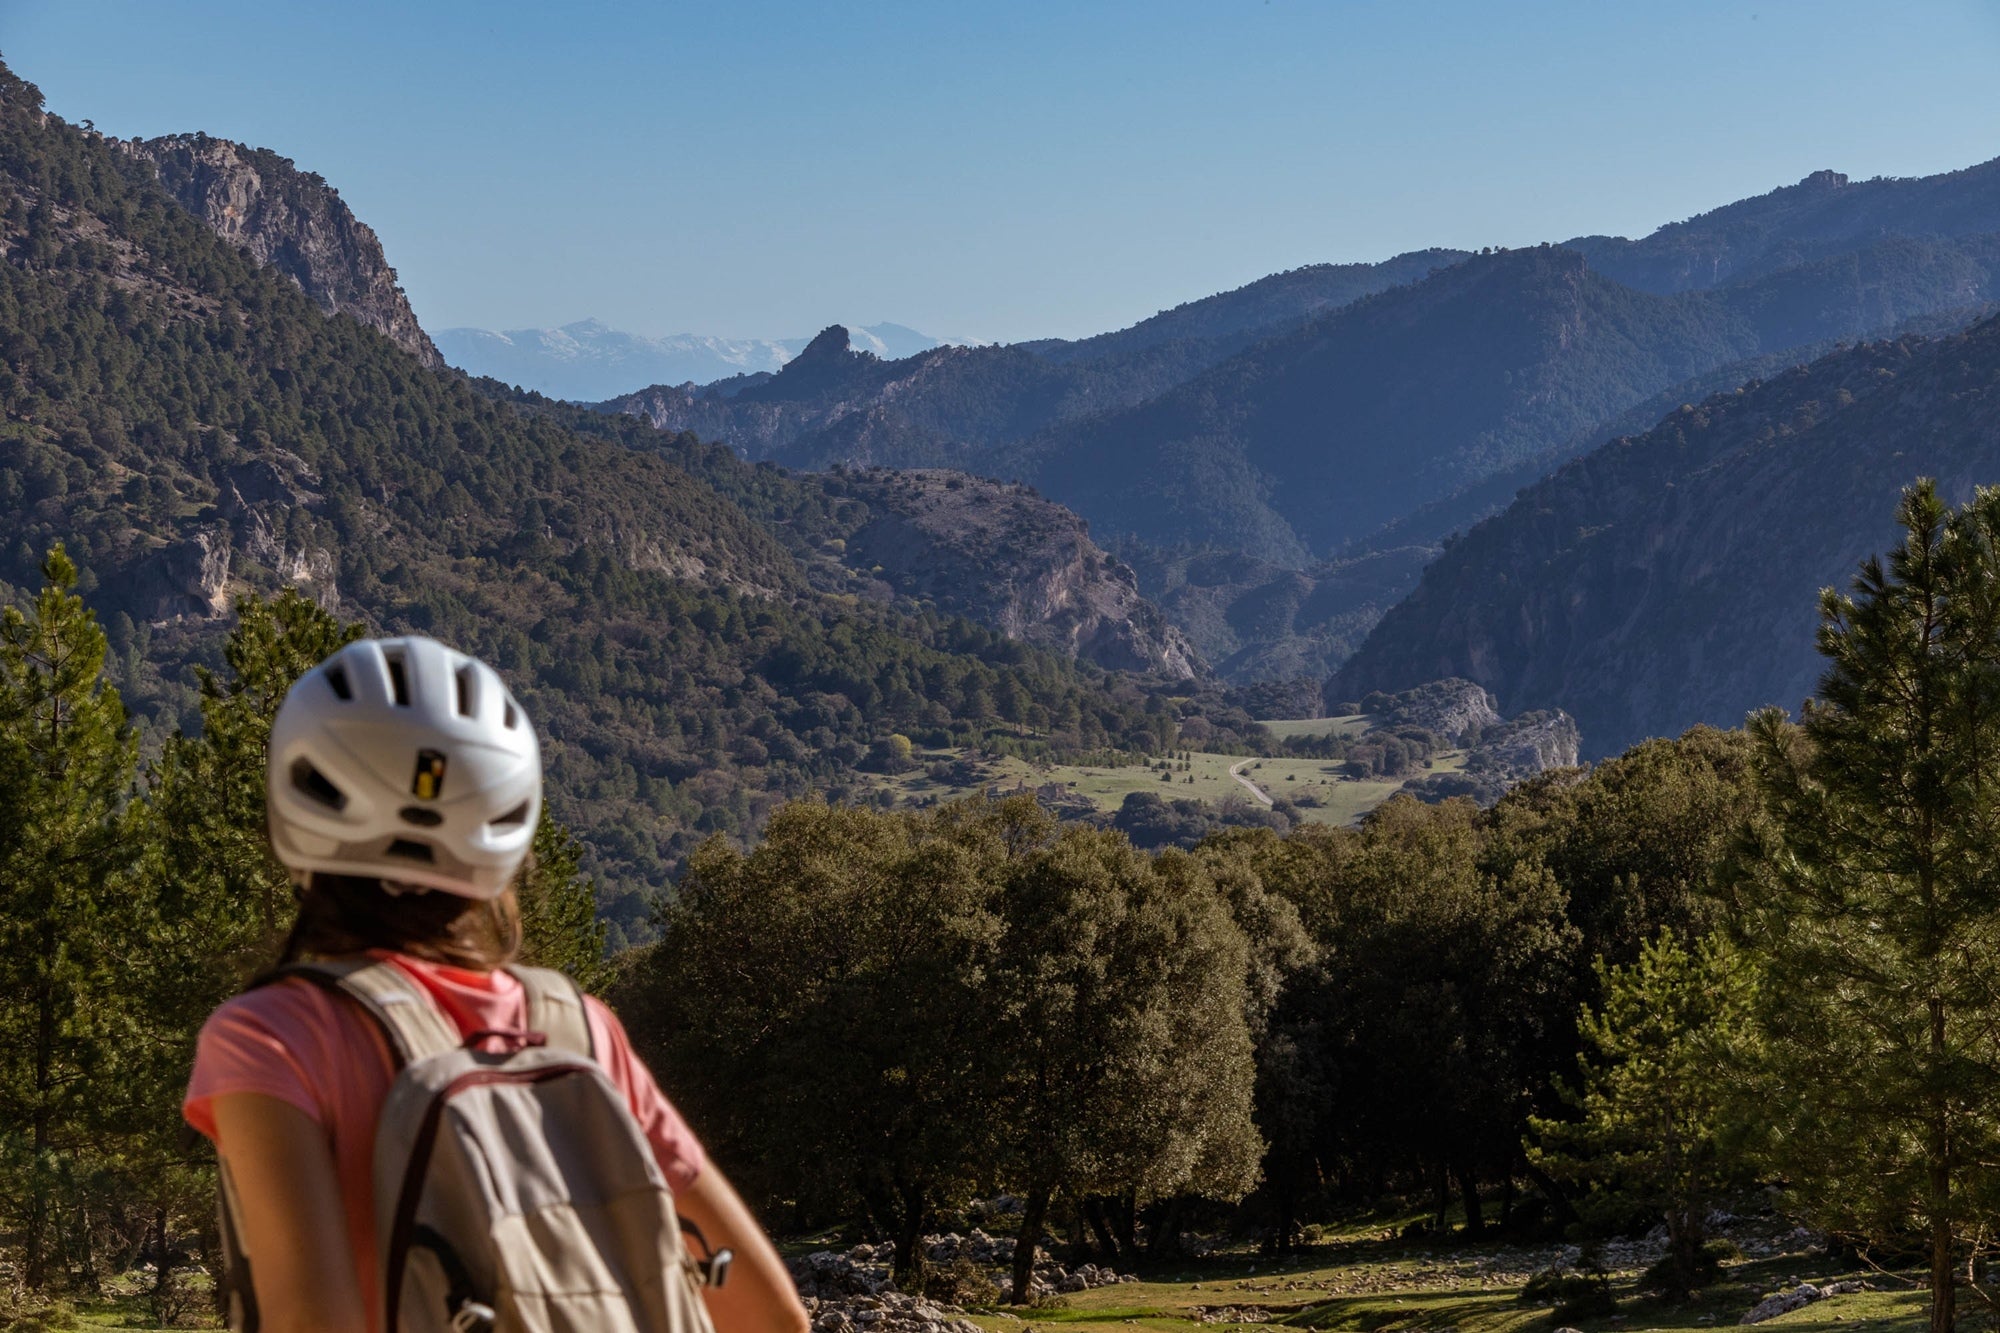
(1583, 1293)
(960, 1282)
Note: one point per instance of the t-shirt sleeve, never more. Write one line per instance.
(675, 1147)
(262, 1041)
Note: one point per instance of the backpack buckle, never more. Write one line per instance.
(473, 1317)
(712, 1271)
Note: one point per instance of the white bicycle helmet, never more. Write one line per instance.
(404, 760)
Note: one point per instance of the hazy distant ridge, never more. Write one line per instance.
(591, 360)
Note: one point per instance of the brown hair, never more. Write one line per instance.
(348, 914)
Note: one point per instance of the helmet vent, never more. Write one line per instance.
(315, 785)
(421, 816)
(411, 850)
(399, 684)
(465, 691)
(513, 818)
(336, 679)
(513, 717)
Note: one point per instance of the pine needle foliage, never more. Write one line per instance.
(67, 766)
(1875, 885)
(1662, 1120)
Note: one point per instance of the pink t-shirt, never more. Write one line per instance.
(322, 1053)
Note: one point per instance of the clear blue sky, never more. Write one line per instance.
(1006, 170)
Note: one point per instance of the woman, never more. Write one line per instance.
(404, 785)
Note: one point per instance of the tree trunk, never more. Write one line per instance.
(163, 1261)
(1507, 1201)
(1564, 1210)
(1093, 1212)
(1468, 1190)
(1441, 1197)
(1125, 1220)
(36, 1267)
(1166, 1237)
(878, 1209)
(1685, 1239)
(1943, 1295)
(1034, 1212)
(1081, 1251)
(910, 1256)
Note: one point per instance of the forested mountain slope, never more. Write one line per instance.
(950, 406)
(194, 427)
(953, 406)
(1257, 309)
(1307, 442)
(1823, 215)
(1669, 578)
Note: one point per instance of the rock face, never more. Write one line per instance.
(1529, 744)
(1672, 578)
(1002, 555)
(294, 222)
(1454, 709)
(185, 580)
(1499, 751)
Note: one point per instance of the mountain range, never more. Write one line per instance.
(1671, 577)
(1603, 476)
(590, 360)
(1279, 462)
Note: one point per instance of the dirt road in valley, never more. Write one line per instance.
(1236, 771)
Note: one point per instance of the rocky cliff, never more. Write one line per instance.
(1671, 578)
(291, 220)
(1002, 555)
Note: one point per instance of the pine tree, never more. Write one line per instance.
(1662, 1122)
(67, 766)
(222, 895)
(1877, 882)
(559, 925)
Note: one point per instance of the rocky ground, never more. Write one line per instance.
(1380, 1280)
(849, 1290)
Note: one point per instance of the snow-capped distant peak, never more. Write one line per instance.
(590, 361)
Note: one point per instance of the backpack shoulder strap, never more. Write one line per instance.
(555, 1009)
(415, 1026)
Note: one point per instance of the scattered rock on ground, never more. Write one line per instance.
(834, 1276)
(1797, 1298)
(891, 1312)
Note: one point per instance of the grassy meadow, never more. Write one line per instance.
(1386, 1287)
(1316, 786)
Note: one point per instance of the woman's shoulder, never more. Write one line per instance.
(287, 1008)
(289, 1039)
(606, 1032)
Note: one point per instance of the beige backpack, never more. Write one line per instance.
(512, 1192)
